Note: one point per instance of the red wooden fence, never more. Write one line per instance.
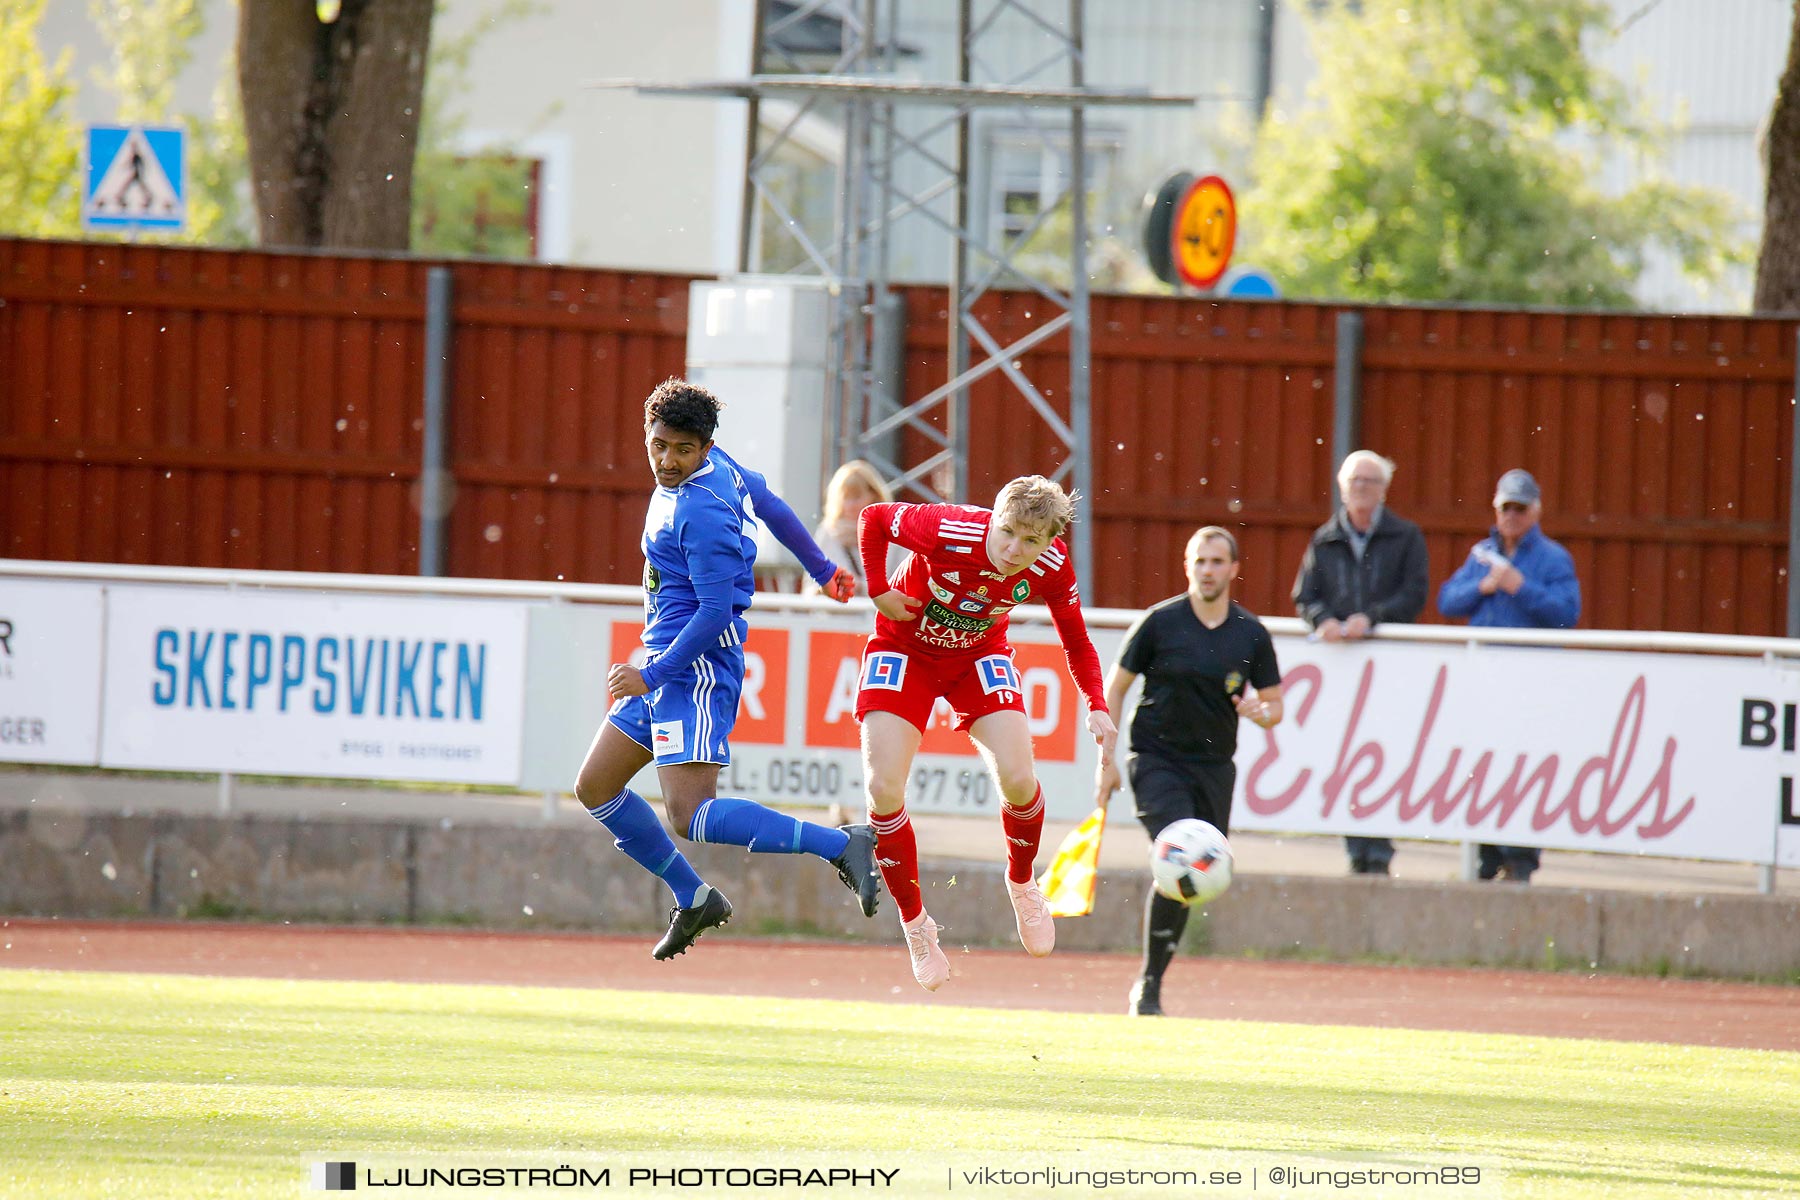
(249, 409)
(1662, 443)
(243, 409)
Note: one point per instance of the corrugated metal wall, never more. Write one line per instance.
(1661, 442)
(551, 369)
(263, 410)
(213, 408)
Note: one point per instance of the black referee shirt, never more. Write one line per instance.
(1192, 678)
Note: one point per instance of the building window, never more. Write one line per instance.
(1029, 171)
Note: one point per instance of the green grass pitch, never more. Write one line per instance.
(170, 1086)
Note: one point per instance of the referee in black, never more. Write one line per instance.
(1206, 661)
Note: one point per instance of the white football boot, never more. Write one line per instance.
(929, 965)
(1036, 930)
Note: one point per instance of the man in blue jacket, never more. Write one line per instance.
(1514, 578)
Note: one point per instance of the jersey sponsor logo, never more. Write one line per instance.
(894, 525)
(652, 578)
(970, 606)
(943, 616)
(960, 549)
(953, 577)
(997, 674)
(667, 737)
(982, 590)
(1234, 683)
(884, 670)
(942, 593)
(933, 634)
(1021, 590)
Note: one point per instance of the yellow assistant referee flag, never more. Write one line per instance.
(1072, 875)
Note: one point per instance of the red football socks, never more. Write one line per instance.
(1024, 828)
(897, 854)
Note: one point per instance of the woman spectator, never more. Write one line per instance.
(854, 487)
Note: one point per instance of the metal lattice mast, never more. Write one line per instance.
(867, 416)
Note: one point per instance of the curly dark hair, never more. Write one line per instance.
(684, 406)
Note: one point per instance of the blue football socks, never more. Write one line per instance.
(728, 822)
(640, 834)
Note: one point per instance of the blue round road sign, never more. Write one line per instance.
(1250, 283)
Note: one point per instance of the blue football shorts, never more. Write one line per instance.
(689, 718)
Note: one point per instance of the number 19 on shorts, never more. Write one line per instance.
(998, 675)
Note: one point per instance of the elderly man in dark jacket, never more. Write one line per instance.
(1364, 566)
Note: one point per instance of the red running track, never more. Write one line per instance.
(1624, 1008)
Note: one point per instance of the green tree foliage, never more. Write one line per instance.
(151, 43)
(39, 153)
(1447, 151)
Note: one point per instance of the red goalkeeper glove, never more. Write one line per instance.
(842, 586)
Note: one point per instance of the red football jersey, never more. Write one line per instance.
(966, 597)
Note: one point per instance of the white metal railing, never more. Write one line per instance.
(1100, 618)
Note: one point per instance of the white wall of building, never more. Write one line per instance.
(1709, 68)
(654, 183)
(68, 25)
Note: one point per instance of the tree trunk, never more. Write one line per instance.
(1778, 265)
(331, 118)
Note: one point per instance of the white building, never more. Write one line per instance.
(656, 183)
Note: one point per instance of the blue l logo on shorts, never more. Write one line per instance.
(997, 673)
(885, 671)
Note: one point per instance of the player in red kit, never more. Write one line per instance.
(940, 630)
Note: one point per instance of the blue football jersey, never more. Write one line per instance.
(702, 531)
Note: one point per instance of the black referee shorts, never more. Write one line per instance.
(1169, 789)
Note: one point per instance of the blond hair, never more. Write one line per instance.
(858, 473)
(1036, 501)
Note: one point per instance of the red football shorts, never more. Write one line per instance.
(897, 679)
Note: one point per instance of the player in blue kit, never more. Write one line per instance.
(678, 710)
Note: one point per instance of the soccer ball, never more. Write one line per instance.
(1191, 862)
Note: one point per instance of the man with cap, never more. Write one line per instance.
(1514, 578)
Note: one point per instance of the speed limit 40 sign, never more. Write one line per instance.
(1205, 229)
(1190, 227)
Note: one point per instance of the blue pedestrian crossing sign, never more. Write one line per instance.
(136, 178)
